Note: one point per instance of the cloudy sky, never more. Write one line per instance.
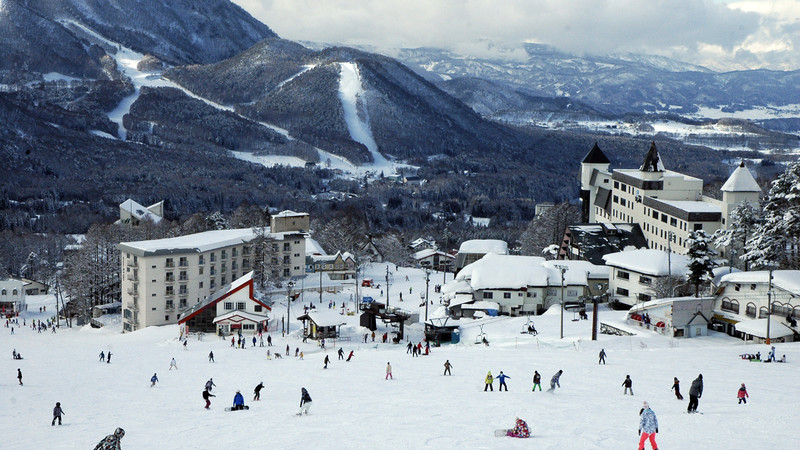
(720, 34)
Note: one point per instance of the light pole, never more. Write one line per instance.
(289, 285)
(387, 287)
(769, 304)
(563, 269)
(670, 240)
(595, 298)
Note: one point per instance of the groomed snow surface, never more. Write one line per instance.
(355, 408)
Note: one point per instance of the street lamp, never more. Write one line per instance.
(427, 281)
(769, 304)
(290, 285)
(563, 270)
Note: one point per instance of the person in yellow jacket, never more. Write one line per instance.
(489, 381)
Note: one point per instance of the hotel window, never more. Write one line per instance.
(212, 257)
(170, 304)
(183, 276)
(645, 280)
(170, 290)
(245, 264)
(201, 260)
(223, 280)
(257, 308)
(223, 268)
(224, 254)
(622, 275)
(673, 221)
(240, 305)
(213, 271)
(170, 277)
(183, 261)
(200, 270)
(228, 305)
(182, 289)
(622, 292)
(286, 246)
(212, 283)
(506, 294)
(245, 250)
(183, 303)
(488, 295)
(170, 263)
(234, 252)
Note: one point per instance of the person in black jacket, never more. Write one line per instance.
(57, 412)
(258, 391)
(695, 392)
(628, 383)
(305, 402)
(676, 386)
(207, 397)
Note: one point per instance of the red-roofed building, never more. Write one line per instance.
(230, 310)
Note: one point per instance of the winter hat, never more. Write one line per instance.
(700, 376)
(742, 384)
(645, 405)
(59, 403)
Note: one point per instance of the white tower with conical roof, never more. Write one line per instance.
(740, 187)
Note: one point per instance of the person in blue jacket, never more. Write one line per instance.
(238, 401)
(153, 380)
(502, 377)
(648, 427)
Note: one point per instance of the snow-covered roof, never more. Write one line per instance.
(428, 252)
(692, 206)
(459, 286)
(649, 262)
(288, 213)
(758, 327)
(741, 180)
(788, 280)
(325, 317)
(216, 296)
(197, 243)
(483, 304)
(138, 211)
(650, 304)
(495, 271)
(484, 246)
(577, 266)
(460, 299)
(313, 247)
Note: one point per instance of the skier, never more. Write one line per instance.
(287, 349)
(327, 360)
(695, 392)
(211, 356)
(388, 371)
(447, 367)
(408, 347)
(173, 364)
(257, 391)
(207, 397)
(520, 429)
(210, 384)
(349, 356)
(602, 356)
(238, 401)
(108, 357)
(502, 377)
(19, 376)
(111, 442)
(185, 341)
(254, 341)
(488, 382)
(648, 427)
(153, 380)
(269, 340)
(305, 402)
(296, 352)
(233, 341)
(555, 381)
(102, 357)
(742, 394)
(57, 412)
(537, 381)
(628, 383)
(341, 353)
(676, 386)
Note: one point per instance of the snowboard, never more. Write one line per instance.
(499, 433)
(229, 408)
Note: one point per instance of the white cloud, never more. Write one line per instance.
(734, 35)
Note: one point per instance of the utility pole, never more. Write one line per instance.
(563, 269)
(387, 287)
(427, 281)
(769, 305)
(320, 285)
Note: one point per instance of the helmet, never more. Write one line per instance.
(119, 432)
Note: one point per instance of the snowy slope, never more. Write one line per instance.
(351, 94)
(355, 408)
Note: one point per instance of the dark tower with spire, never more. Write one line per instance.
(595, 159)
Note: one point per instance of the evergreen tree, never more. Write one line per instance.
(743, 222)
(701, 259)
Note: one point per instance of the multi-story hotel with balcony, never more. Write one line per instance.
(162, 278)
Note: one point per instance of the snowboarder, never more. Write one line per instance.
(520, 429)
(111, 442)
(349, 356)
(676, 386)
(207, 397)
(211, 356)
(447, 367)
(305, 402)
(269, 340)
(287, 349)
(210, 384)
(695, 392)
(185, 341)
(57, 412)
(19, 376)
(173, 364)
(555, 381)
(602, 356)
(648, 427)
(108, 357)
(488, 382)
(628, 383)
(537, 381)
(388, 371)
(102, 357)
(233, 341)
(742, 394)
(257, 391)
(502, 377)
(254, 341)
(153, 380)
(341, 353)
(238, 401)
(327, 360)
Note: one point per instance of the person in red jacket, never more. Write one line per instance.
(742, 395)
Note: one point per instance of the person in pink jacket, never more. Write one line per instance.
(742, 395)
